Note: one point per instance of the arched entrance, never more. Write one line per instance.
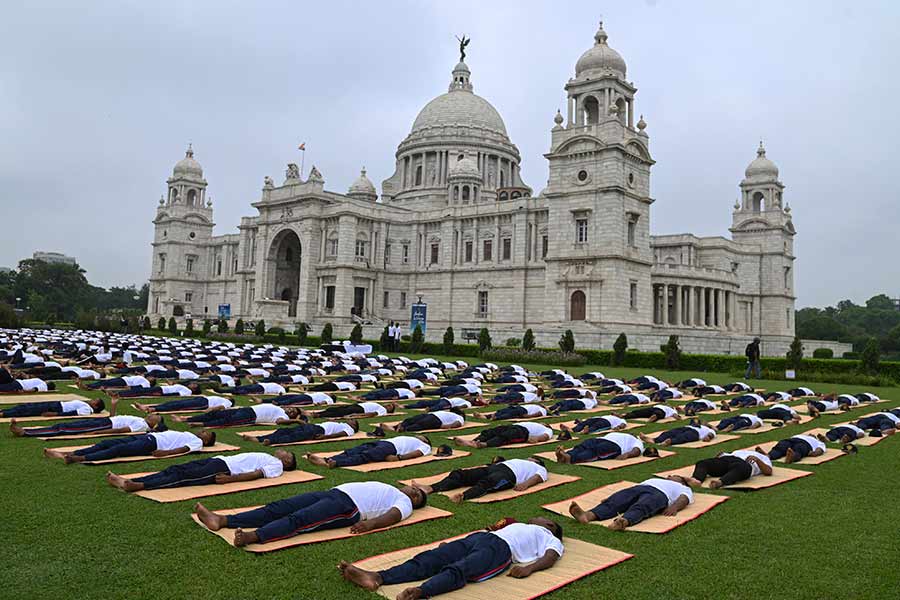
(285, 255)
(577, 306)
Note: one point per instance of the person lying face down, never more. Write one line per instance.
(618, 446)
(359, 410)
(779, 412)
(595, 424)
(259, 414)
(219, 470)
(522, 548)
(883, 423)
(362, 506)
(796, 448)
(517, 411)
(68, 408)
(503, 435)
(729, 468)
(158, 445)
(632, 505)
(498, 475)
(439, 419)
(402, 447)
(305, 432)
(32, 385)
(695, 432)
(199, 403)
(176, 389)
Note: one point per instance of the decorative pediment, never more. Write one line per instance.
(481, 284)
(580, 144)
(638, 149)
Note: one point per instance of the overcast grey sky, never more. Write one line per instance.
(99, 99)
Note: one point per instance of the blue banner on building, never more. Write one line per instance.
(418, 316)
(224, 311)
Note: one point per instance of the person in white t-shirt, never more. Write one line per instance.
(166, 391)
(100, 426)
(517, 411)
(611, 446)
(595, 424)
(842, 433)
(729, 468)
(360, 410)
(305, 432)
(739, 422)
(524, 548)
(439, 419)
(258, 414)
(32, 385)
(695, 432)
(827, 403)
(517, 474)
(524, 432)
(574, 404)
(192, 403)
(654, 413)
(637, 503)
(796, 448)
(402, 447)
(362, 506)
(217, 470)
(158, 445)
(66, 408)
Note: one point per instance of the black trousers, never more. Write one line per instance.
(420, 423)
(479, 480)
(336, 412)
(503, 435)
(729, 469)
(645, 413)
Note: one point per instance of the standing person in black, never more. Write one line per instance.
(752, 353)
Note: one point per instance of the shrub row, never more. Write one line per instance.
(544, 357)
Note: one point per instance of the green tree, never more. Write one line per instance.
(222, 327)
(327, 333)
(484, 339)
(567, 342)
(189, 327)
(870, 358)
(384, 342)
(356, 335)
(795, 355)
(672, 350)
(528, 340)
(260, 329)
(620, 347)
(8, 316)
(449, 338)
(239, 327)
(52, 290)
(881, 302)
(821, 328)
(161, 325)
(173, 326)
(145, 324)
(302, 333)
(207, 327)
(417, 341)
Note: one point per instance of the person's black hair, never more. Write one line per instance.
(292, 465)
(537, 459)
(458, 411)
(425, 437)
(423, 501)
(212, 438)
(557, 530)
(161, 426)
(353, 423)
(51, 385)
(99, 405)
(651, 452)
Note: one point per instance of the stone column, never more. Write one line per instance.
(734, 321)
(665, 304)
(720, 312)
(568, 112)
(689, 306)
(701, 305)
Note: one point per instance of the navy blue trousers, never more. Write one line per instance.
(775, 414)
(635, 504)
(292, 399)
(678, 435)
(365, 453)
(440, 404)
(137, 392)
(738, 422)
(800, 447)
(420, 423)
(229, 417)
(566, 394)
(565, 405)
(508, 398)
(836, 433)
(594, 449)
(287, 435)
(196, 472)
(876, 422)
(729, 469)
(510, 412)
(695, 407)
(31, 409)
(244, 390)
(479, 480)
(448, 391)
(115, 382)
(624, 399)
(476, 557)
(197, 403)
(516, 387)
(742, 402)
(591, 425)
(375, 395)
(71, 427)
(502, 435)
(312, 511)
(138, 445)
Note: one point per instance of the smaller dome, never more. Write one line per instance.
(362, 185)
(600, 58)
(761, 167)
(465, 167)
(187, 165)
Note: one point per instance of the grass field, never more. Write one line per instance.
(833, 535)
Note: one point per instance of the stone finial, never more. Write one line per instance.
(787, 208)
(761, 151)
(162, 200)
(267, 182)
(315, 175)
(600, 37)
(558, 119)
(737, 204)
(190, 150)
(613, 109)
(642, 124)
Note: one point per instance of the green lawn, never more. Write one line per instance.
(832, 535)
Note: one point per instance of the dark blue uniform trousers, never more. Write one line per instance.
(593, 424)
(440, 404)
(287, 435)
(139, 445)
(775, 414)
(233, 417)
(365, 453)
(197, 403)
(477, 557)
(696, 407)
(836, 433)
(71, 427)
(876, 422)
(510, 412)
(31, 409)
(636, 504)
(376, 395)
(801, 448)
(678, 435)
(738, 422)
(565, 405)
(594, 449)
(291, 399)
(196, 472)
(329, 509)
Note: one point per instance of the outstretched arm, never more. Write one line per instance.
(223, 478)
(633, 453)
(545, 562)
(680, 504)
(172, 452)
(529, 483)
(763, 467)
(413, 454)
(391, 517)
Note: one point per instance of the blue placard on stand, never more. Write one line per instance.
(418, 316)
(224, 311)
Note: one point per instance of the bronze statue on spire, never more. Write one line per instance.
(463, 42)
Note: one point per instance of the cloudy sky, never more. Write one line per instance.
(99, 99)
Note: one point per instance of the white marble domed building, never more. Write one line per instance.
(457, 226)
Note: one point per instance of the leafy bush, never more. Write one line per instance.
(8, 316)
(275, 330)
(356, 334)
(260, 328)
(417, 340)
(870, 358)
(145, 324)
(302, 333)
(836, 378)
(823, 353)
(672, 351)
(189, 327)
(173, 326)
(513, 343)
(484, 339)
(620, 347)
(207, 327)
(449, 337)
(222, 327)
(547, 357)
(327, 333)
(528, 340)
(795, 355)
(161, 325)
(567, 342)
(239, 327)
(384, 342)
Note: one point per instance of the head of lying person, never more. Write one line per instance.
(292, 412)
(651, 452)
(554, 527)
(288, 459)
(156, 422)
(97, 404)
(536, 459)
(353, 423)
(208, 437)
(418, 497)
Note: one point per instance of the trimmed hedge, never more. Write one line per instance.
(543, 357)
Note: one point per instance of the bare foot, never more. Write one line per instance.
(728, 429)
(50, 453)
(790, 456)
(213, 521)
(580, 515)
(367, 580)
(715, 484)
(243, 538)
(122, 483)
(16, 429)
(70, 458)
(317, 460)
(413, 593)
(619, 524)
(457, 498)
(645, 438)
(667, 442)
(821, 437)
(564, 427)
(464, 442)
(266, 442)
(562, 457)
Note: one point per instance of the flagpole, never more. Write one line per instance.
(302, 159)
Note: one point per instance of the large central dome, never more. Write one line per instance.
(459, 107)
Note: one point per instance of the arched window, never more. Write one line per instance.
(191, 197)
(465, 194)
(177, 311)
(591, 111)
(577, 304)
(289, 254)
(455, 194)
(758, 202)
(504, 196)
(516, 195)
(173, 194)
(419, 175)
(620, 104)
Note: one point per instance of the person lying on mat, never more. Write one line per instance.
(616, 388)
(742, 401)
(259, 414)
(867, 397)
(533, 546)
(612, 446)
(778, 397)
(517, 474)
(360, 410)
(739, 422)
(521, 387)
(285, 379)
(630, 399)
(653, 414)
(362, 506)
(885, 423)
(32, 385)
(709, 390)
(253, 389)
(695, 432)
(638, 503)
(842, 433)
(729, 468)
(439, 419)
(689, 384)
(595, 424)
(738, 387)
(503, 435)
(329, 430)
(801, 392)
(517, 398)
(305, 399)
(779, 412)
(441, 404)
(586, 403)
(199, 403)
(97, 426)
(126, 382)
(402, 447)
(666, 394)
(592, 377)
(157, 445)
(410, 385)
(795, 449)
(389, 394)
(823, 404)
(455, 391)
(573, 393)
(247, 466)
(68, 408)
(165, 391)
(518, 411)
(334, 386)
(695, 406)
(56, 372)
